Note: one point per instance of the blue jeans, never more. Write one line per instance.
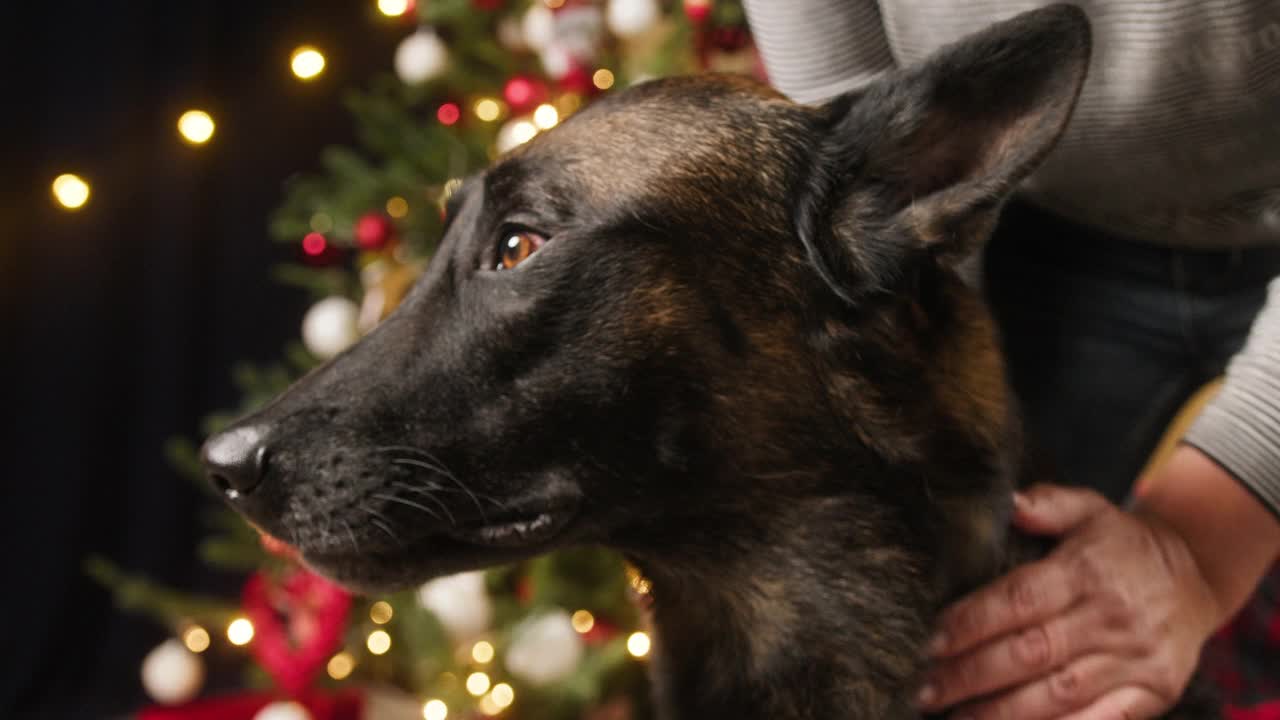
(1106, 339)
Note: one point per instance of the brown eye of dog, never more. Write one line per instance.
(517, 247)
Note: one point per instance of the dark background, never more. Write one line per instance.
(119, 323)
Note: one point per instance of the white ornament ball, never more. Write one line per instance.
(544, 649)
(556, 60)
(460, 602)
(331, 326)
(627, 18)
(172, 674)
(580, 30)
(421, 57)
(538, 26)
(283, 711)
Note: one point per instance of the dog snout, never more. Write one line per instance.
(235, 460)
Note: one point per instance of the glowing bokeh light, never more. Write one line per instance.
(307, 62)
(196, 639)
(70, 191)
(435, 710)
(477, 683)
(602, 79)
(341, 665)
(379, 642)
(638, 644)
(240, 631)
(195, 126)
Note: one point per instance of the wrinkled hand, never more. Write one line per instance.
(1108, 626)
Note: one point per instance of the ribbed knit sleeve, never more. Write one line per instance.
(816, 49)
(1240, 428)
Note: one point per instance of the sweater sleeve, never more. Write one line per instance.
(1240, 428)
(816, 49)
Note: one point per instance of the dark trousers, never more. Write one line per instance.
(1106, 338)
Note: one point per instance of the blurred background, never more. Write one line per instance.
(200, 202)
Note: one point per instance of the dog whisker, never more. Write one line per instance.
(426, 493)
(355, 546)
(407, 503)
(451, 476)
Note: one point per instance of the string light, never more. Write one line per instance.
(448, 113)
(489, 706)
(602, 78)
(393, 8)
(196, 127)
(379, 642)
(435, 710)
(568, 103)
(341, 665)
(477, 683)
(381, 612)
(488, 109)
(482, 652)
(313, 243)
(397, 207)
(582, 622)
(321, 222)
(546, 117)
(196, 639)
(503, 695)
(240, 631)
(307, 62)
(638, 644)
(70, 191)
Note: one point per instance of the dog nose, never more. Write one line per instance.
(236, 460)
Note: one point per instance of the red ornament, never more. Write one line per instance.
(523, 93)
(730, 38)
(697, 10)
(374, 230)
(315, 610)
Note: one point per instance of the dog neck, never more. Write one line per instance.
(799, 624)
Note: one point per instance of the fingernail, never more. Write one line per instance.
(938, 644)
(1021, 501)
(927, 695)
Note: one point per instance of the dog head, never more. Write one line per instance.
(682, 307)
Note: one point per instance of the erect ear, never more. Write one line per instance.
(922, 159)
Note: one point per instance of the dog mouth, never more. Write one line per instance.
(522, 529)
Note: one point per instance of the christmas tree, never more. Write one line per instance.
(556, 637)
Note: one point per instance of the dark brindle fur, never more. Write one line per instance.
(746, 358)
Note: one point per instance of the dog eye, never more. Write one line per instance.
(517, 247)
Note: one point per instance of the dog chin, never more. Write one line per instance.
(460, 550)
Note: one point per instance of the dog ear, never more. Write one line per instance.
(922, 159)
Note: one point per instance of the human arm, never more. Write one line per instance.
(816, 49)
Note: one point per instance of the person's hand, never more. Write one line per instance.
(1109, 625)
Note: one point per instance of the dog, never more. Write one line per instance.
(725, 334)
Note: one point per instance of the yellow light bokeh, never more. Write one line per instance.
(341, 665)
(196, 127)
(381, 612)
(554, 4)
(482, 652)
(435, 710)
(568, 104)
(379, 642)
(240, 631)
(503, 694)
(583, 621)
(488, 109)
(477, 683)
(546, 117)
(196, 639)
(306, 62)
(393, 8)
(321, 222)
(602, 78)
(70, 191)
(397, 207)
(489, 706)
(638, 644)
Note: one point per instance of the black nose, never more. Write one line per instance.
(236, 460)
